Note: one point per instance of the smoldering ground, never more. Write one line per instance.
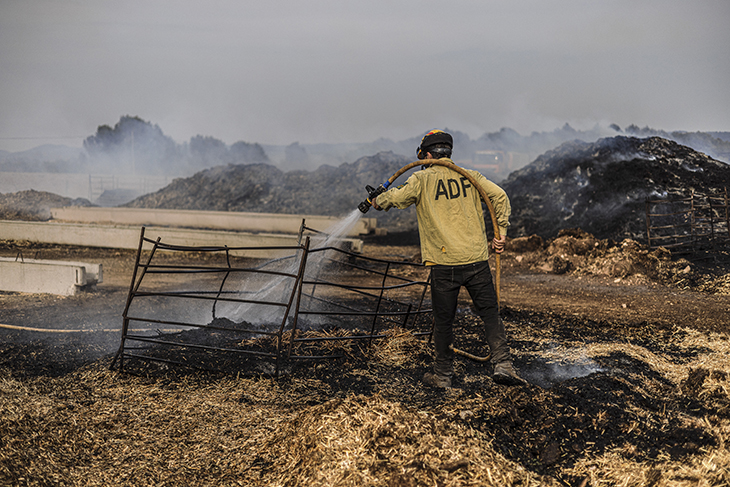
(626, 399)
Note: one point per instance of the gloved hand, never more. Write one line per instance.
(375, 205)
(372, 194)
(498, 244)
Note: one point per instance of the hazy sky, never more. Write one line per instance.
(280, 71)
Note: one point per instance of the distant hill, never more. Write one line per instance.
(137, 147)
(494, 154)
(725, 136)
(52, 158)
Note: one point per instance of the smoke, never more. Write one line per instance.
(548, 374)
(136, 147)
(263, 289)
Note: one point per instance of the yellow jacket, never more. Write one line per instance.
(450, 218)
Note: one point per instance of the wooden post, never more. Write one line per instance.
(727, 215)
(692, 219)
(712, 223)
(648, 223)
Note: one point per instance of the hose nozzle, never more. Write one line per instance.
(372, 193)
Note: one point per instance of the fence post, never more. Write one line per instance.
(296, 294)
(727, 215)
(380, 300)
(223, 281)
(712, 223)
(692, 220)
(133, 287)
(648, 223)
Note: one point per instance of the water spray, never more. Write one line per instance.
(268, 288)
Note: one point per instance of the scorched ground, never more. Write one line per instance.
(626, 359)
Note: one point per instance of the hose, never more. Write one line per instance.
(88, 330)
(485, 198)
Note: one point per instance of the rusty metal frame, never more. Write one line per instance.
(305, 290)
(377, 292)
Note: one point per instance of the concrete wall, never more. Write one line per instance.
(127, 237)
(47, 276)
(217, 220)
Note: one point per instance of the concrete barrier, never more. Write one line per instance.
(47, 276)
(214, 220)
(127, 237)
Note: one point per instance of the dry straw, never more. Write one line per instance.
(95, 427)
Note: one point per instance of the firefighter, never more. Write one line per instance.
(454, 243)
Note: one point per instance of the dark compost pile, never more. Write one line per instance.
(602, 187)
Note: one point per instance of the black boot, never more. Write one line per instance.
(506, 375)
(437, 380)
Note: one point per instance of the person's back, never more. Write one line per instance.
(450, 217)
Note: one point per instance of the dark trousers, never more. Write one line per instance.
(446, 282)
